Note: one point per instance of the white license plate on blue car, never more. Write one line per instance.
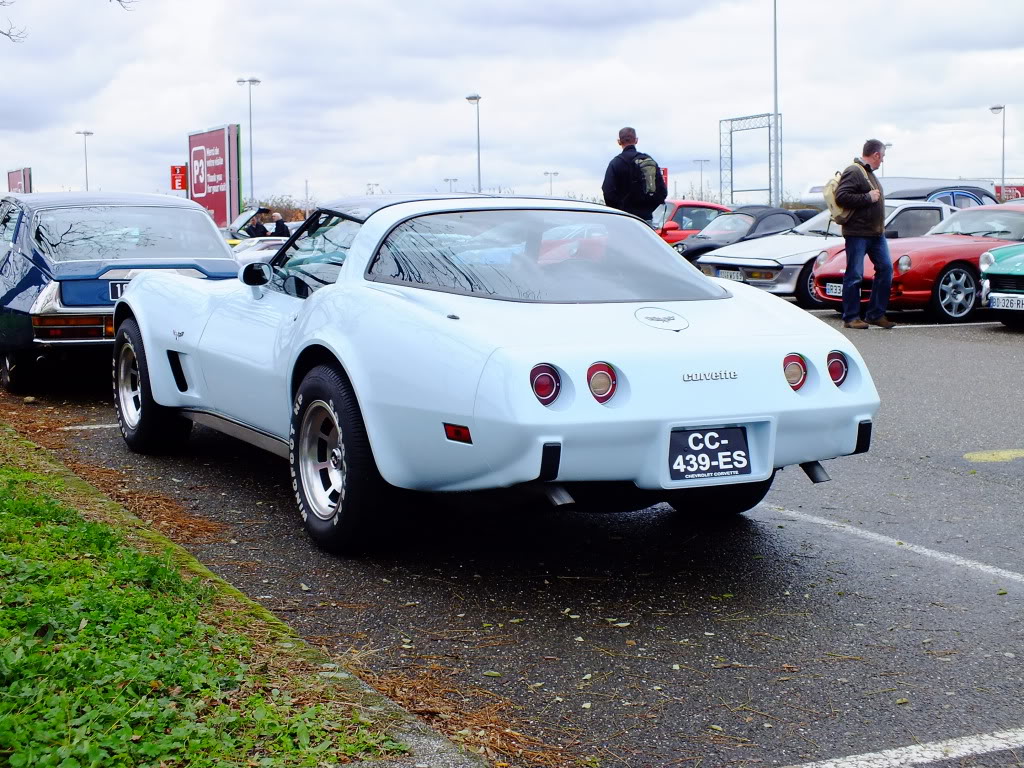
(117, 289)
(1007, 302)
(699, 454)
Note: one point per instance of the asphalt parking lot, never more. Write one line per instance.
(875, 620)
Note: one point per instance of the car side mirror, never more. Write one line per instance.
(255, 274)
(892, 234)
(671, 226)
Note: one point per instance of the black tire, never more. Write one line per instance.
(718, 501)
(146, 426)
(956, 294)
(17, 372)
(805, 295)
(337, 486)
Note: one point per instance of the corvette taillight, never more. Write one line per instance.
(794, 367)
(545, 382)
(601, 380)
(838, 367)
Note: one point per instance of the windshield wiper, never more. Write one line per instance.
(823, 232)
(987, 232)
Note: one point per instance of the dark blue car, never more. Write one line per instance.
(65, 258)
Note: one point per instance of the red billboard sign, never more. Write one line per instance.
(179, 173)
(213, 179)
(19, 180)
(1014, 192)
(664, 175)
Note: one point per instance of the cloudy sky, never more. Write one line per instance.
(359, 92)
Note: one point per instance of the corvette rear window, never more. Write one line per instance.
(126, 232)
(539, 255)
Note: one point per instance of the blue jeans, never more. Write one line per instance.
(877, 248)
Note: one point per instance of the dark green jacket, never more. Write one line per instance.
(867, 219)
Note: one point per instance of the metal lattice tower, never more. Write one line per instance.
(729, 126)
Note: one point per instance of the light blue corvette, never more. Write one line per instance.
(462, 343)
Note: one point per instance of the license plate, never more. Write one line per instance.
(730, 274)
(699, 454)
(834, 289)
(117, 289)
(1007, 302)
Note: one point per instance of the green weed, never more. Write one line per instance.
(105, 659)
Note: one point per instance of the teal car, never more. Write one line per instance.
(1002, 283)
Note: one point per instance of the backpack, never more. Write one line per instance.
(643, 183)
(840, 215)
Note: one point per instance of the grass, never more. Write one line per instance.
(109, 656)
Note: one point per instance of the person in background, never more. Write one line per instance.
(256, 227)
(864, 230)
(280, 228)
(633, 182)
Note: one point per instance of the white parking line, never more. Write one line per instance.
(947, 325)
(963, 562)
(87, 426)
(919, 754)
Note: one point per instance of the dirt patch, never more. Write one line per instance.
(162, 512)
(478, 719)
(42, 424)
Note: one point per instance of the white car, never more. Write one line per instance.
(464, 343)
(782, 263)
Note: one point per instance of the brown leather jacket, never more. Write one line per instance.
(868, 218)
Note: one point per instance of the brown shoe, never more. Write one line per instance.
(859, 324)
(882, 322)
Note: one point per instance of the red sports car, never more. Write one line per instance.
(937, 271)
(678, 219)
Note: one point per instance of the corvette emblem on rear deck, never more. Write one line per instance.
(656, 317)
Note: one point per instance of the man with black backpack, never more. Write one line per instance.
(633, 182)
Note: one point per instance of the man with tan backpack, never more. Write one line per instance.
(860, 203)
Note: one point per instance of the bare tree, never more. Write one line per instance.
(18, 34)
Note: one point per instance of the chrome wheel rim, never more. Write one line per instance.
(129, 386)
(810, 288)
(957, 292)
(322, 460)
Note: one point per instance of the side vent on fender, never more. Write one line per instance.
(179, 373)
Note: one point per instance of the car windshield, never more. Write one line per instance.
(126, 232)
(821, 224)
(983, 222)
(728, 224)
(661, 213)
(547, 256)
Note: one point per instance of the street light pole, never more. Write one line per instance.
(700, 163)
(474, 98)
(251, 81)
(996, 109)
(551, 181)
(450, 182)
(776, 193)
(85, 147)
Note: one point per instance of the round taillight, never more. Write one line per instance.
(795, 369)
(601, 380)
(838, 367)
(545, 383)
